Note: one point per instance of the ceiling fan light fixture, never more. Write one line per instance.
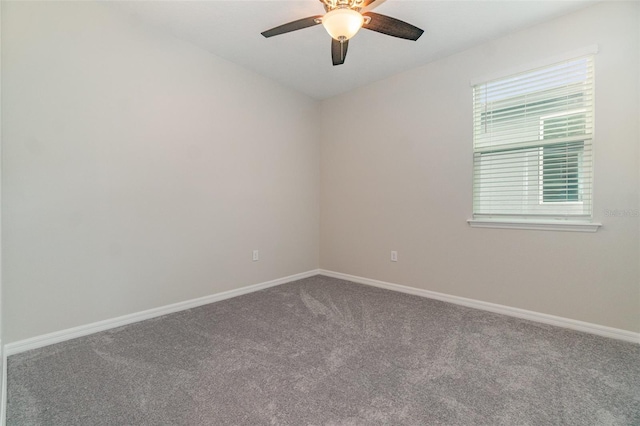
(342, 23)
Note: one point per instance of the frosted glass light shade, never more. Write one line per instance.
(342, 23)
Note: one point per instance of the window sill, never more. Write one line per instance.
(536, 224)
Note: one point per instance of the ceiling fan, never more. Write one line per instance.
(343, 20)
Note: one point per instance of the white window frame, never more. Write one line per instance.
(575, 224)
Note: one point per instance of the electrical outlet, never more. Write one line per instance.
(394, 256)
(256, 255)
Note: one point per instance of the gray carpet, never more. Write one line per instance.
(321, 351)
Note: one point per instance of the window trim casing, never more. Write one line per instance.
(536, 224)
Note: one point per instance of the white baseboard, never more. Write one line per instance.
(83, 330)
(586, 327)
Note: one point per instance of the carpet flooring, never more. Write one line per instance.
(322, 351)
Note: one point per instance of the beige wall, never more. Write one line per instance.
(140, 171)
(397, 167)
(1, 297)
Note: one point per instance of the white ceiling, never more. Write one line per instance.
(302, 59)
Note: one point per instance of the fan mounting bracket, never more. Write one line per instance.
(335, 4)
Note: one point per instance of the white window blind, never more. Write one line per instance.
(532, 139)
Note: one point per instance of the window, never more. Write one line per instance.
(532, 141)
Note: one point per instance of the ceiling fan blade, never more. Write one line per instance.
(391, 26)
(368, 5)
(292, 26)
(339, 51)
